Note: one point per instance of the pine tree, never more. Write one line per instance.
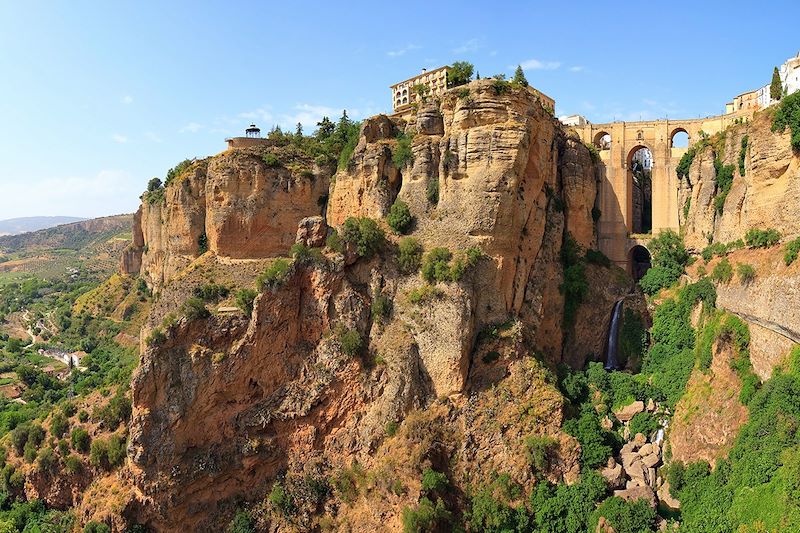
(519, 77)
(775, 88)
(299, 131)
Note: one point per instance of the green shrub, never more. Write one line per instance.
(211, 292)
(245, 299)
(271, 160)
(402, 154)
(626, 517)
(281, 500)
(47, 460)
(436, 265)
(177, 170)
(19, 438)
(349, 340)
(96, 527)
(409, 255)
(83, 416)
(743, 154)
(746, 273)
(194, 309)
(391, 428)
(594, 440)
(758, 238)
(400, 219)
(117, 450)
(98, 454)
(644, 423)
(424, 294)
(427, 516)
(724, 183)
(632, 337)
(787, 114)
(490, 357)
(115, 412)
(156, 337)
(539, 450)
(80, 440)
(381, 308)
(242, 523)
(274, 276)
(722, 271)
(460, 73)
(432, 190)
(364, 234)
(433, 481)
(73, 464)
(792, 248)
(334, 242)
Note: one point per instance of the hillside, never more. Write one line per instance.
(15, 226)
(92, 244)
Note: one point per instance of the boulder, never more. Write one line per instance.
(615, 475)
(666, 498)
(651, 460)
(627, 412)
(312, 232)
(429, 119)
(636, 493)
(646, 449)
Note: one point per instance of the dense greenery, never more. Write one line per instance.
(724, 180)
(574, 287)
(669, 262)
(441, 265)
(460, 73)
(743, 154)
(275, 275)
(762, 238)
(402, 154)
(364, 235)
(757, 487)
(409, 255)
(722, 271)
(400, 218)
(787, 114)
(791, 250)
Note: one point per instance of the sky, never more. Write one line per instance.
(98, 97)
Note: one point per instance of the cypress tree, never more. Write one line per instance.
(519, 77)
(775, 88)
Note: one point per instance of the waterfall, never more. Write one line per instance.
(613, 334)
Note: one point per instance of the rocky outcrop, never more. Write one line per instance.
(239, 204)
(771, 178)
(508, 181)
(226, 404)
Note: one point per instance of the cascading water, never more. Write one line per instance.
(613, 335)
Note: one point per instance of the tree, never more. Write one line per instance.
(775, 88)
(400, 218)
(325, 128)
(298, 132)
(519, 77)
(460, 73)
(153, 185)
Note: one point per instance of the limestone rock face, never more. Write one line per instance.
(506, 179)
(233, 204)
(312, 231)
(771, 179)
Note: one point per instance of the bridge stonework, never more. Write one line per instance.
(615, 225)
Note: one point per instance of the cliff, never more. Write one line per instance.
(226, 405)
(241, 204)
(767, 195)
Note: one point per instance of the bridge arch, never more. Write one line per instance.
(639, 261)
(679, 138)
(639, 185)
(602, 141)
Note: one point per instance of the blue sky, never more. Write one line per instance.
(98, 97)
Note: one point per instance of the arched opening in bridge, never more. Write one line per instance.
(639, 261)
(640, 174)
(602, 141)
(679, 138)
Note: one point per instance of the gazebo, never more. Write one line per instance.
(253, 131)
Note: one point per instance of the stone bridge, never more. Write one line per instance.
(617, 142)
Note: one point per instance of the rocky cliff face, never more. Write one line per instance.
(237, 204)
(225, 405)
(766, 196)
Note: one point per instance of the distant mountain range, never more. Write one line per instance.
(15, 226)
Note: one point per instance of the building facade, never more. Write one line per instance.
(404, 94)
(573, 120)
(789, 73)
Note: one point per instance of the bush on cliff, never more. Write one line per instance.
(762, 238)
(275, 275)
(399, 218)
(402, 154)
(245, 299)
(460, 73)
(349, 340)
(787, 114)
(746, 273)
(195, 309)
(722, 271)
(669, 262)
(791, 250)
(724, 180)
(440, 264)
(409, 257)
(364, 235)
